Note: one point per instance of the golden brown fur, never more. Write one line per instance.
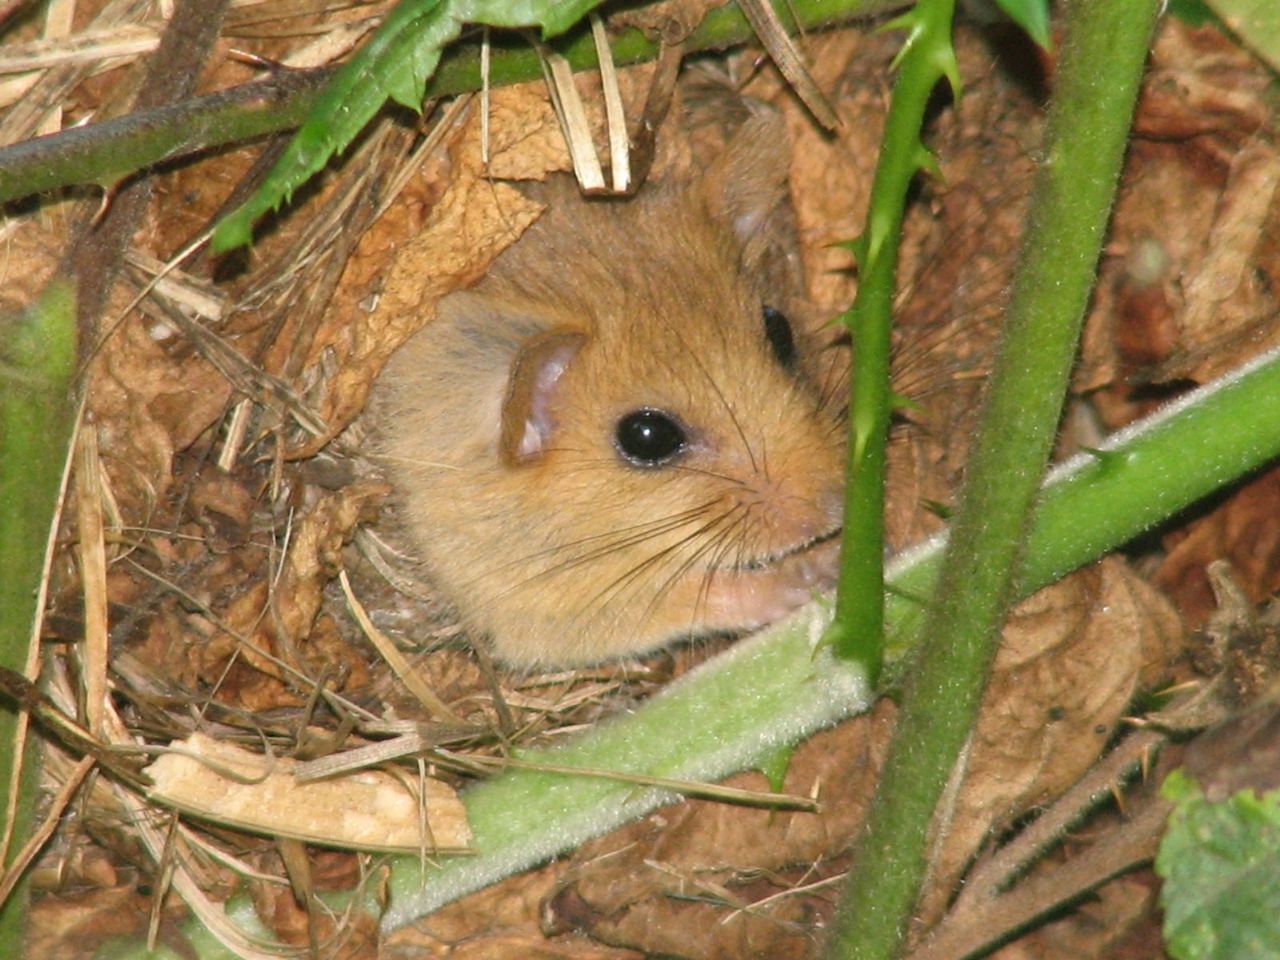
(564, 553)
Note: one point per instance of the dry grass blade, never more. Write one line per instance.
(211, 913)
(619, 144)
(688, 788)
(93, 577)
(52, 817)
(764, 21)
(54, 86)
(394, 658)
(239, 372)
(573, 120)
(382, 751)
(89, 46)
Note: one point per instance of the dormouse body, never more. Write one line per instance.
(616, 439)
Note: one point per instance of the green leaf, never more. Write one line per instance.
(1256, 23)
(1196, 13)
(1032, 16)
(395, 63)
(1221, 868)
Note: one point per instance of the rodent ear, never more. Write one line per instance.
(746, 187)
(527, 421)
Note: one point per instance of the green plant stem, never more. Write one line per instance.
(37, 362)
(104, 153)
(1096, 88)
(857, 632)
(768, 690)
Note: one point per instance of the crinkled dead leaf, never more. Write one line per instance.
(1193, 295)
(444, 230)
(1071, 661)
(369, 810)
(149, 403)
(277, 615)
(1243, 531)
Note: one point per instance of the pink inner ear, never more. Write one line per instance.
(528, 418)
(537, 421)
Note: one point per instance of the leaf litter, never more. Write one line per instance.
(224, 613)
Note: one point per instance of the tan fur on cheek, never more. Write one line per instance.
(559, 549)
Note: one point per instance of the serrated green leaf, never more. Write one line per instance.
(396, 62)
(1032, 16)
(1221, 868)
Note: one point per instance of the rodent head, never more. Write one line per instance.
(615, 440)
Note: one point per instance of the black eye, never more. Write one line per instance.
(778, 331)
(649, 438)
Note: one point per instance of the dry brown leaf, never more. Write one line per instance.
(1071, 661)
(1243, 531)
(278, 615)
(369, 810)
(148, 404)
(499, 923)
(1192, 295)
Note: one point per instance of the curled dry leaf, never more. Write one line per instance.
(369, 810)
(148, 404)
(277, 613)
(1242, 531)
(1191, 296)
(432, 243)
(1072, 659)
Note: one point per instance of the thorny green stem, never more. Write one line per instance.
(857, 632)
(37, 362)
(1096, 88)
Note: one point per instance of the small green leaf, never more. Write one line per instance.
(1195, 13)
(1032, 16)
(1256, 22)
(1221, 868)
(396, 62)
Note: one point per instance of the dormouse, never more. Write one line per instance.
(620, 437)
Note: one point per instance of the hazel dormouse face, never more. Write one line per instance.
(617, 439)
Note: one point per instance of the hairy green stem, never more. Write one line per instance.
(37, 362)
(857, 632)
(104, 153)
(767, 691)
(1096, 88)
